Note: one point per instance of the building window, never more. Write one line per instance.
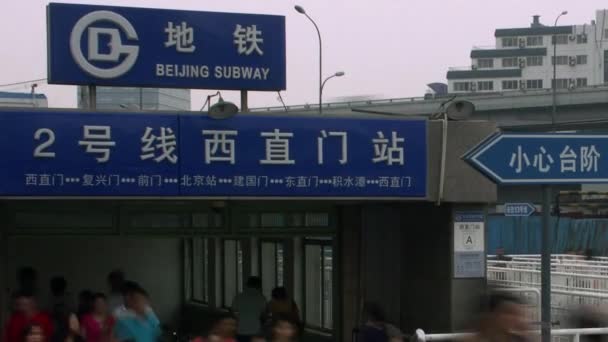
(581, 59)
(534, 60)
(462, 86)
(581, 39)
(318, 289)
(534, 84)
(271, 266)
(561, 60)
(562, 83)
(200, 270)
(232, 271)
(510, 42)
(534, 41)
(561, 39)
(510, 85)
(510, 62)
(581, 82)
(485, 63)
(485, 85)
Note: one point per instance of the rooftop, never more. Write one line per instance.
(15, 95)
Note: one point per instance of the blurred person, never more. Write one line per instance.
(26, 314)
(136, 322)
(258, 338)
(224, 329)
(374, 329)
(282, 305)
(283, 329)
(85, 303)
(33, 333)
(589, 317)
(27, 282)
(504, 321)
(97, 326)
(116, 281)
(59, 301)
(249, 306)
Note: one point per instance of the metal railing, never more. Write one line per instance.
(556, 334)
(405, 100)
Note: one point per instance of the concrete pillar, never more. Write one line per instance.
(350, 257)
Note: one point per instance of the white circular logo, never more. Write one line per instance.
(117, 48)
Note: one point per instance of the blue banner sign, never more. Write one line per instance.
(122, 46)
(519, 209)
(103, 154)
(542, 158)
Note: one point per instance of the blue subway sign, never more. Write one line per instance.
(551, 158)
(122, 46)
(54, 153)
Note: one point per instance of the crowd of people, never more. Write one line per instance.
(125, 314)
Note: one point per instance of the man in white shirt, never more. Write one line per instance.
(249, 306)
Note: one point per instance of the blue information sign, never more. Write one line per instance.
(519, 209)
(102, 154)
(122, 46)
(542, 158)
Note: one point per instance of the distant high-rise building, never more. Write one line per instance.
(13, 99)
(522, 58)
(113, 98)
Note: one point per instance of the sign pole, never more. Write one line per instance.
(545, 272)
(244, 104)
(92, 97)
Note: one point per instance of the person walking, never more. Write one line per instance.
(26, 314)
(249, 306)
(136, 322)
(97, 326)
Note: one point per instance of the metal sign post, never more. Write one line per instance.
(545, 265)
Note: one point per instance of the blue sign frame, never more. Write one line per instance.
(545, 158)
(55, 153)
(142, 47)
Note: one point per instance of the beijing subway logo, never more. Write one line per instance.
(113, 60)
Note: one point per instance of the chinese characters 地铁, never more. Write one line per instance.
(581, 159)
(247, 40)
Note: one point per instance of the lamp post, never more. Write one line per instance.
(554, 83)
(337, 74)
(301, 10)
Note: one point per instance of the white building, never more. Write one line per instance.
(115, 98)
(522, 58)
(12, 99)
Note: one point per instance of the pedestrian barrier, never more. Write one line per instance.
(558, 335)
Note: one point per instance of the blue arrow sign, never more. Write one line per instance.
(542, 158)
(519, 209)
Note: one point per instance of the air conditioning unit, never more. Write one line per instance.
(572, 37)
(522, 42)
(572, 61)
(522, 84)
(522, 63)
(473, 86)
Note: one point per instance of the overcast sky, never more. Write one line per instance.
(387, 48)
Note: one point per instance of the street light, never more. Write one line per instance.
(301, 10)
(222, 109)
(554, 83)
(337, 74)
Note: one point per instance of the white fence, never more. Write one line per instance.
(573, 335)
(575, 281)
